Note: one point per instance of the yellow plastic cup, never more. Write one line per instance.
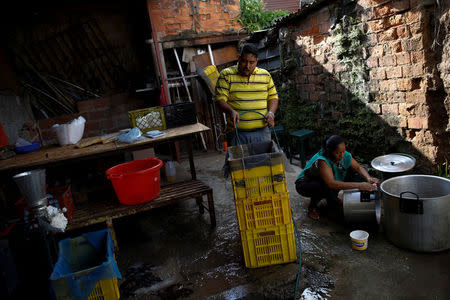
(359, 239)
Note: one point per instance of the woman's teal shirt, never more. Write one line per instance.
(312, 167)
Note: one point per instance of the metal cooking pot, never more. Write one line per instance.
(361, 206)
(417, 212)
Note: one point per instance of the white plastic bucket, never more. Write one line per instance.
(359, 239)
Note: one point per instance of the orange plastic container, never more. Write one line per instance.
(137, 181)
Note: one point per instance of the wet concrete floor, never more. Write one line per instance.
(173, 253)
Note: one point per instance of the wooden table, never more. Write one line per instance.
(105, 211)
(56, 154)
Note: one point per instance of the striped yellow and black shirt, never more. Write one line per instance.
(244, 93)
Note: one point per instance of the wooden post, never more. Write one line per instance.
(159, 55)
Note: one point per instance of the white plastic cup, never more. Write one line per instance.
(359, 239)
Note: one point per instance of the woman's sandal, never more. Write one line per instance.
(313, 213)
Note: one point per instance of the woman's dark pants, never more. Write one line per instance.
(315, 189)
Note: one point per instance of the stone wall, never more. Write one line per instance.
(366, 70)
(171, 17)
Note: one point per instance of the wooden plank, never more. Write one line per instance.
(182, 42)
(99, 211)
(221, 56)
(55, 154)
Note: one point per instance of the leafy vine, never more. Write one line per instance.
(349, 48)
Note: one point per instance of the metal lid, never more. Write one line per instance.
(394, 163)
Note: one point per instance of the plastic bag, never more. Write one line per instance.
(131, 136)
(70, 133)
(22, 143)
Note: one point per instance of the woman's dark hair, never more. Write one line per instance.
(330, 144)
(249, 49)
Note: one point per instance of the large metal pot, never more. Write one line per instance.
(417, 212)
(361, 207)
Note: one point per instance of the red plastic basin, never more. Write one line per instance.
(137, 181)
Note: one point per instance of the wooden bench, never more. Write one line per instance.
(106, 210)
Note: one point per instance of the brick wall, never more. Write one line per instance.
(104, 115)
(444, 65)
(171, 17)
(403, 106)
(399, 68)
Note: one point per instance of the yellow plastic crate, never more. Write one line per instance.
(259, 181)
(155, 121)
(268, 246)
(264, 211)
(104, 289)
(256, 170)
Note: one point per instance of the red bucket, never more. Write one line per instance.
(137, 181)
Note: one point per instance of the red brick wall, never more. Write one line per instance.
(171, 17)
(104, 115)
(400, 69)
(401, 66)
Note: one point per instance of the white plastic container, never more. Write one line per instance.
(70, 133)
(359, 239)
(171, 172)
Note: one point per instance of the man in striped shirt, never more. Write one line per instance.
(246, 87)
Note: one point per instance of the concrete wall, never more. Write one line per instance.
(174, 17)
(398, 102)
(13, 115)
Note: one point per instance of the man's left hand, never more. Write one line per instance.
(270, 119)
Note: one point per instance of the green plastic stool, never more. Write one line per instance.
(301, 136)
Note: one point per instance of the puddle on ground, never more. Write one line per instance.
(230, 271)
(174, 292)
(238, 292)
(145, 279)
(319, 285)
(137, 277)
(315, 294)
(311, 242)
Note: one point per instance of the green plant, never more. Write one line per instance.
(348, 42)
(253, 17)
(443, 170)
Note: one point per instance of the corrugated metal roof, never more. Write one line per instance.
(304, 10)
(291, 5)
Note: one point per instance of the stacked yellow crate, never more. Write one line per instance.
(262, 204)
